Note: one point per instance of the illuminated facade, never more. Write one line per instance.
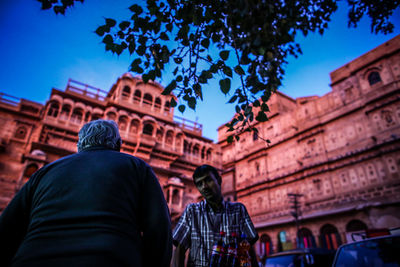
(33, 134)
(340, 153)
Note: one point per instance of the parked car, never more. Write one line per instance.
(308, 257)
(383, 251)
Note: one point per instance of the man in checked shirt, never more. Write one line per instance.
(201, 223)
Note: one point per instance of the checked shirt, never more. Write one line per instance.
(199, 228)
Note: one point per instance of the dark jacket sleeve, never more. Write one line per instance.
(14, 223)
(156, 223)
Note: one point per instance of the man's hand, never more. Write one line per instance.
(178, 259)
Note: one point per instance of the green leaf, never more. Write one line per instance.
(110, 22)
(256, 103)
(228, 71)
(136, 9)
(225, 85)
(132, 46)
(164, 36)
(123, 25)
(205, 43)
(233, 99)
(179, 78)
(192, 102)
(181, 108)
(224, 54)
(197, 90)
(238, 69)
(108, 39)
(100, 31)
(261, 116)
(229, 139)
(173, 102)
(171, 86)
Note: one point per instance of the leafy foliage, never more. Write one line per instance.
(200, 40)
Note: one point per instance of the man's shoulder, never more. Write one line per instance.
(235, 205)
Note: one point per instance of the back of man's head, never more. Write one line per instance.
(206, 169)
(99, 133)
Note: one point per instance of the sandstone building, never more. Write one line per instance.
(340, 153)
(33, 135)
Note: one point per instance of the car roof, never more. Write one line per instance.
(303, 251)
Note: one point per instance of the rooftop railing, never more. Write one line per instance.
(188, 124)
(9, 99)
(86, 90)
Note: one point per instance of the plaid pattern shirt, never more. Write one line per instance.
(199, 227)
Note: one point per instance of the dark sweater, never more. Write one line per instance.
(95, 208)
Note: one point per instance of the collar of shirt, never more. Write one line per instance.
(208, 208)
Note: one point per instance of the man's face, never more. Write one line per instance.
(208, 187)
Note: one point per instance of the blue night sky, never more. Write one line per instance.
(40, 51)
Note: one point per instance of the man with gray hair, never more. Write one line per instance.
(98, 207)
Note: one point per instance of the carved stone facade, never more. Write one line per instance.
(33, 134)
(340, 152)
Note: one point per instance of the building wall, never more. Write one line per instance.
(340, 152)
(34, 134)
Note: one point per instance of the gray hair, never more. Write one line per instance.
(103, 133)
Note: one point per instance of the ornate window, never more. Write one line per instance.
(123, 123)
(148, 129)
(77, 116)
(157, 103)
(65, 111)
(374, 78)
(330, 237)
(21, 132)
(53, 109)
(148, 99)
(134, 127)
(126, 91)
(137, 96)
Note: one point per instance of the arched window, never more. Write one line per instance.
(329, 237)
(160, 134)
(374, 78)
(111, 116)
(166, 106)
(203, 153)
(53, 109)
(186, 148)
(30, 170)
(134, 127)
(148, 100)
(178, 141)
(126, 92)
(265, 248)
(137, 96)
(169, 138)
(196, 150)
(96, 117)
(281, 240)
(356, 226)
(157, 103)
(65, 111)
(175, 196)
(77, 115)
(305, 238)
(208, 155)
(123, 123)
(87, 116)
(20, 132)
(148, 129)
